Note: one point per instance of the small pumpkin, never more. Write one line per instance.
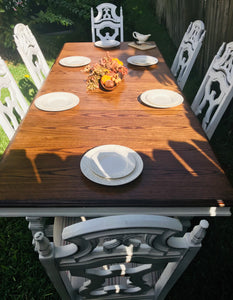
(107, 82)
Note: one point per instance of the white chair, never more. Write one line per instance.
(31, 54)
(107, 19)
(187, 52)
(119, 257)
(216, 90)
(13, 107)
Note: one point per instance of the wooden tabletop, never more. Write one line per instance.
(41, 166)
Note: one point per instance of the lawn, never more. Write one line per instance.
(209, 276)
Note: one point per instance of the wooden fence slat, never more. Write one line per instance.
(217, 16)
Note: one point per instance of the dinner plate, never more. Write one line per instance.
(56, 101)
(107, 44)
(131, 165)
(74, 61)
(112, 161)
(142, 60)
(161, 98)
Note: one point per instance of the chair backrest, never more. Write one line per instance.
(31, 54)
(107, 25)
(216, 90)
(119, 257)
(187, 52)
(13, 105)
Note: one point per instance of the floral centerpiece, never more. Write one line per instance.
(108, 73)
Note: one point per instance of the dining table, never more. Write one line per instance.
(41, 171)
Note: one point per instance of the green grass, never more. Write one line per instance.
(26, 86)
(21, 275)
(209, 276)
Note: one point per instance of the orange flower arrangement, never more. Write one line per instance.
(108, 72)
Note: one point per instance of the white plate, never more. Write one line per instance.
(74, 61)
(86, 166)
(107, 44)
(161, 98)
(112, 161)
(57, 101)
(142, 60)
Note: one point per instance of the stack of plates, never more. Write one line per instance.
(111, 165)
(142, 60)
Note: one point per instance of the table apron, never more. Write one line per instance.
(100, 211)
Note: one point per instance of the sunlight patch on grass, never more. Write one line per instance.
(26, 86)
(4, 141)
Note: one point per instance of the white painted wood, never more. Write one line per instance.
(107, 18)
(36, 224)
(187, 52)
(31, 54)
(216, 90)
(14, 102)
(114, 257)
(106, 211)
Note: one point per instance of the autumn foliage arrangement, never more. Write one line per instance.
(108, 73)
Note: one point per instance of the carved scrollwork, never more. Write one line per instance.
(120, 256)
(107, 25)
(31, 53)
(216, 90)
(107, 13)
(113, 260)
(132, 283)
(14, 106)
(188, 51)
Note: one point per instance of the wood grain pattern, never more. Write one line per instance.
(41, 165)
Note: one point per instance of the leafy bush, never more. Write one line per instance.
(37, 13)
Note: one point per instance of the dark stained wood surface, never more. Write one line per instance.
(41, 165)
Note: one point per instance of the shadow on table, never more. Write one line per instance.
(175, 172)
(160, 71)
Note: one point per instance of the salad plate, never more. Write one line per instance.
(112, 161)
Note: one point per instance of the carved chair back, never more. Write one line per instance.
(187, 52)
(216, 90)
(119, 257)
(31, 54)
(107, 25)
(13, 106)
